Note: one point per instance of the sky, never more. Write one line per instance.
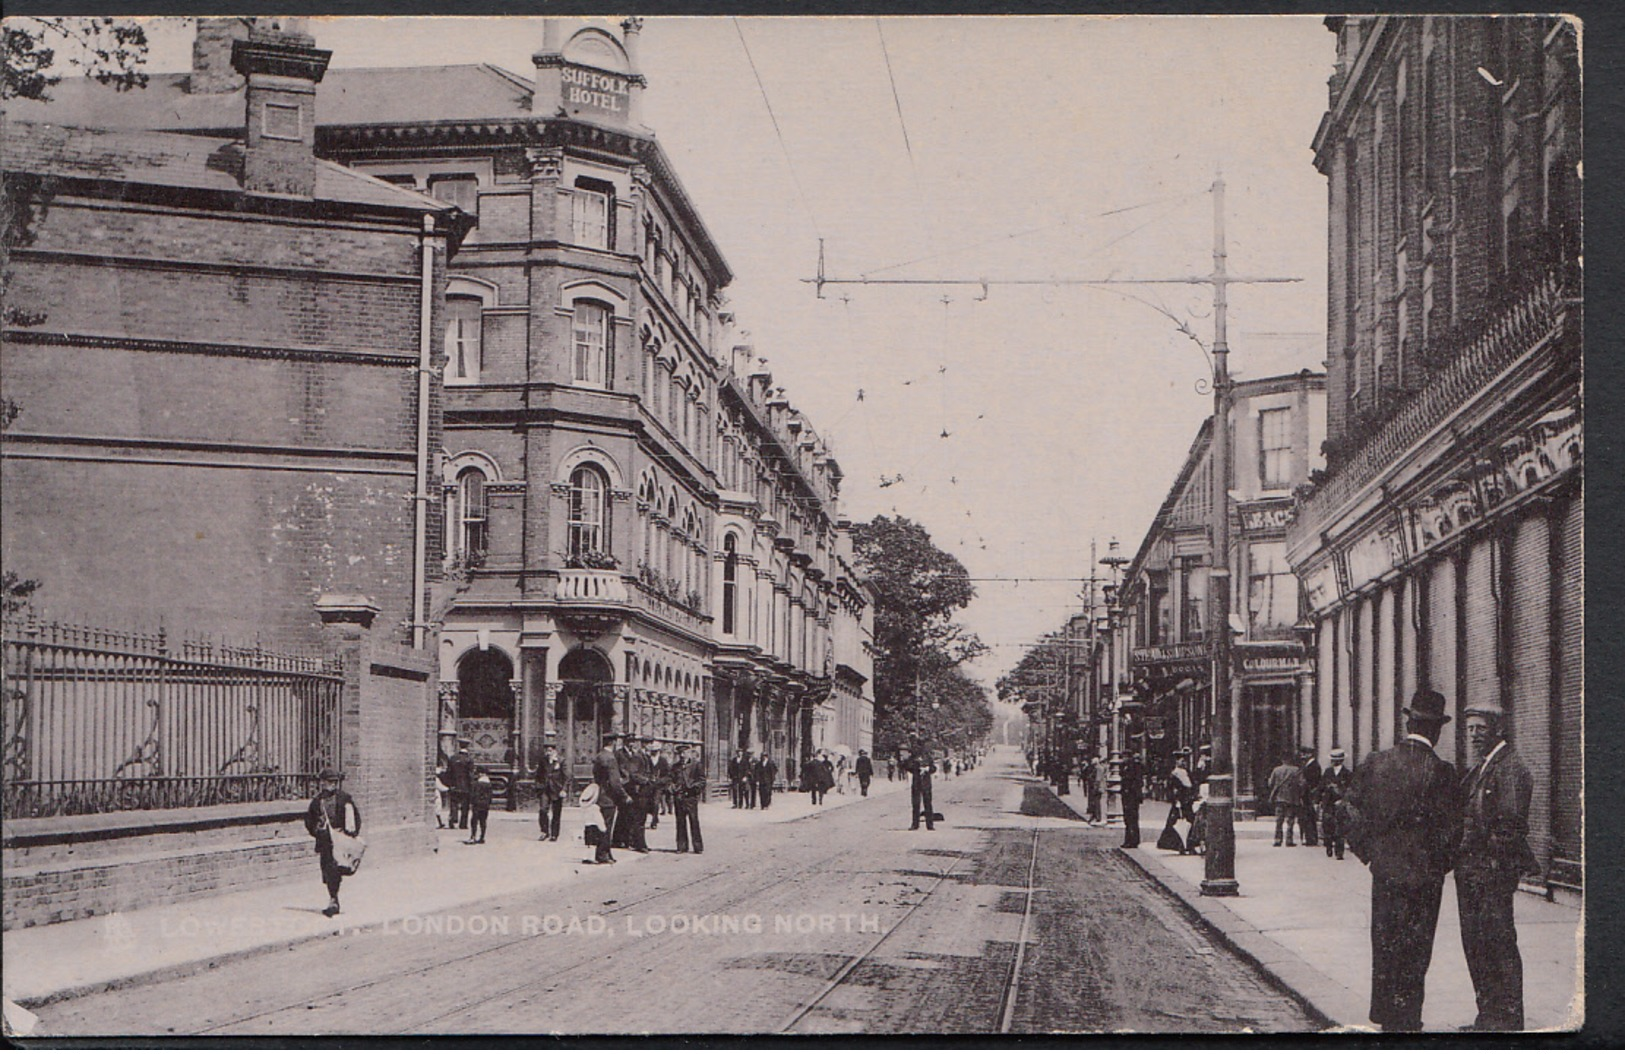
(979, 148)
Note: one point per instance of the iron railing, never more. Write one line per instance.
(100, 721)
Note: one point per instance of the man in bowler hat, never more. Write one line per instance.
(1405, 820)
(1131, 778)
(1494, 853)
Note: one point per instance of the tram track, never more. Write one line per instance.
(1012, 982)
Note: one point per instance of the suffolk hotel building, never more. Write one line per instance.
(1444, 546)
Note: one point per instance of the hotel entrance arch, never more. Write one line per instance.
(485, 710)
(585, 709)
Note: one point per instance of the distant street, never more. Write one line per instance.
(842, 921)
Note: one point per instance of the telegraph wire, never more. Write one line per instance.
(898, 102)
(777, 131)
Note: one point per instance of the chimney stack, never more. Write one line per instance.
(211, 55)
(283, 67)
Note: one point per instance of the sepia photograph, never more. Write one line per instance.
(1070, 525)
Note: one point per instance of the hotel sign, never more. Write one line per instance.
(594, 92)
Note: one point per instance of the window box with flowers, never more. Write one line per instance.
(591, 560)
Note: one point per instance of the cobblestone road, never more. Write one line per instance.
(844, 921)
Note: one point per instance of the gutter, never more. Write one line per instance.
(420, 495)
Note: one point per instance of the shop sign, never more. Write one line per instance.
(1267, 517)
(1184, 652)
(1320, 585)
(1376, 554)
(1271, 664)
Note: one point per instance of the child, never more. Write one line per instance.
(480, 799)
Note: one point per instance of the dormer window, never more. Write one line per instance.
(461, 190)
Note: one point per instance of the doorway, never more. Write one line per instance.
(585, 710)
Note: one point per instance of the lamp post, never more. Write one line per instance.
(1219, 864)
(1114, 747)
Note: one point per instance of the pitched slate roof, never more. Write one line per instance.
(167, 159)
(392, 95)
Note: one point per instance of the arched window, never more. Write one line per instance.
(471, 512)
(691, 559)
(646, 511)
(463, 335)
(671, 536)
(593, 340)
(589, 512)
(730, 581)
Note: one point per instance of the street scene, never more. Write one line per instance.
(769, 526)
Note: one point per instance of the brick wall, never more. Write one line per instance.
(176, 479)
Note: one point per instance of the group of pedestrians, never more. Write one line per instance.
(468, 790)
(1309, 801)
(1413, 820)
(629, 778)
(750, 779)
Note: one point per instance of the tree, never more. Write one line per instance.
(110, 51)
(918, 588)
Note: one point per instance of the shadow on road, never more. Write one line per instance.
(1038, 800)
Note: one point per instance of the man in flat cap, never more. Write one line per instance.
(1405, 820)
(1494, 853)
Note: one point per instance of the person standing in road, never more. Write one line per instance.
(551, 786)
(1404, 821)
(865, 770)
(1494, 853)
(687, 785)
(1131, 779)
(332, 809)
(479, 800)
(919, 771)
(460, 780)
(1309, 769)
(1334, 784)
(1286, 793)
(612, 796)
(767, 770)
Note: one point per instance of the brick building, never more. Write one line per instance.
(605, 444)
(213, 346)
(1443, 546)
(1164, 648)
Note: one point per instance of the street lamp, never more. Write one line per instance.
(1219, 863)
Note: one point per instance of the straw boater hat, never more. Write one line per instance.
(1338, 755)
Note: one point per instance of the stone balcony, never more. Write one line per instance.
(577, 585)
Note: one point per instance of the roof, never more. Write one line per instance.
(167, 159)
(392, 95)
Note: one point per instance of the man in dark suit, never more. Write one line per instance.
(612, 796)
(551, 787)
(865, 769)
(767, 770)
(1494, 853)
(736, 779)
(1405, 820)
(687, 784)
(747, 775)
(1131, 780)
(919, 770)
(460, 781)
(637, 773)
(1309, 769)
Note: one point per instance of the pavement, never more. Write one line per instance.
(45, 964)
(1304, 919)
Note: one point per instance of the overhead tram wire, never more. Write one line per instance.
(795, 177)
